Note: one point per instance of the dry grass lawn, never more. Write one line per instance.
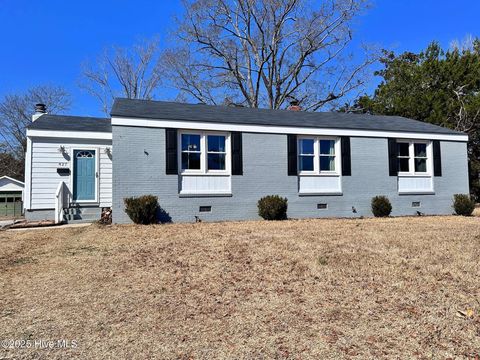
(310, 289)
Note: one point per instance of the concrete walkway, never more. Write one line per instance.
(5, 222)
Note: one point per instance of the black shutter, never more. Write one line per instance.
(237, 156)
(171, 151)
(437, 159)
(292, 154)
(392, 157)
(346, 157)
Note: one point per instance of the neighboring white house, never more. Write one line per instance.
(11, 197)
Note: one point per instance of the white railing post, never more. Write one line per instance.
(59, 202)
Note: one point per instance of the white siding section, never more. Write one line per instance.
(46, 158)
(319, 184)
(415, 184)
(105, 195)
(205, 184)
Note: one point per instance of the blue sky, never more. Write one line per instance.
(45, 42)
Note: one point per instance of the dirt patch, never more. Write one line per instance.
(371, 288)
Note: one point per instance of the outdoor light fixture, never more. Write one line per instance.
(108, 151)
(61, 149)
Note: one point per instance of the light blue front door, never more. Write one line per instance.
(84, 175)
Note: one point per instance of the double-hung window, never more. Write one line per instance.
(318, 156)
(191, 151)
(413, 157)
(403, 151)
(306, 155)
(216, 152)
(204, 152)
(420, 157)
(327, 155)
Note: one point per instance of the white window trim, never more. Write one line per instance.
(202, 147)
(316, 160)
(411, 161)
(204, 153)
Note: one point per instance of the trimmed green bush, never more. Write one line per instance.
(142, 209)
(273, 207)
(463, 204)
(381, 206)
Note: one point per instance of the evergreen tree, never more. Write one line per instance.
(438, 86)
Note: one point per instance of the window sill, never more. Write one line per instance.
(205, 194)
(319, 175)
(309, 193)
(205, 174)
(415, 175)
(417, 192)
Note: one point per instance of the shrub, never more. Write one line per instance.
(463, 204)
(273, 207)
(142, 209)
(381, 206)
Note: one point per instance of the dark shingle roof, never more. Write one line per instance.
(71, 123)
(148, 109)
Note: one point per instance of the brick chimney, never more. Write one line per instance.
(294, 106)
(40, 109)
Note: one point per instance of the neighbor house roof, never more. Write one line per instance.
(71, 123)
(161, 110)
(8, 178)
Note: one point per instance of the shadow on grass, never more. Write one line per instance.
(163, 217)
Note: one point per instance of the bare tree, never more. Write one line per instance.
(465, 44)
(263, 53)
(465, 119)
(16, 113)
(119, 72)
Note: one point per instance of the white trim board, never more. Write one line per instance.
(27, 193)
(70, 134)
(198, 125)
(12, 179)
(95, 201)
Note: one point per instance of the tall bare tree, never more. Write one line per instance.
(15, 114)
(264, 53)
(133, 73)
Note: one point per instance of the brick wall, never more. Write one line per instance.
(139, 168)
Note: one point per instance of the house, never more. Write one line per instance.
(216, 162)
(68, 167)
(11, 196)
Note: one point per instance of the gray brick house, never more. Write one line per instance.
(215, 162)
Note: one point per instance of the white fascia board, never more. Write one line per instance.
(270, 129)
(12, 179)
(70, 134)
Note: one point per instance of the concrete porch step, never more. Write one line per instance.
(81, 214)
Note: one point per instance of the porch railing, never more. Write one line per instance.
(60, 202)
